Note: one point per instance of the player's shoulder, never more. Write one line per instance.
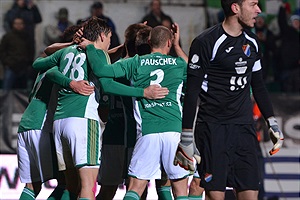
(209, 35)
(250, 36)
(212, 32)
(249, 33)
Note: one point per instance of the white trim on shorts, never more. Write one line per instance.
(73, 137)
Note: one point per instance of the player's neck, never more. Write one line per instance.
(161, 50)
(232, 27)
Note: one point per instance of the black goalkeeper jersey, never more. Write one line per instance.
(219, 72)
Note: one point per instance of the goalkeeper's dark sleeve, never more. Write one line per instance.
(261, 95)
(190, 100)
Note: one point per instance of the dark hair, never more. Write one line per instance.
(130, 36)
(159, 35)
(97, 5)
(142, 45)
(151, 3)
(69, 32)
(93, 27)
(226, 5)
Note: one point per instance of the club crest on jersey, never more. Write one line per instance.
(246, 49)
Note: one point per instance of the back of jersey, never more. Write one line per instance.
(73, 64)
(161, 115)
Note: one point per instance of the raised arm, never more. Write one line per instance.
(178, 49)
(55, 47)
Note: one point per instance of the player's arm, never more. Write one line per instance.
(111, 86)
(55, 47)
(263, 101)
(81, 87)
(98, 61)
(195, 75)
(176, 44)
(116, 53)
(186, 149)
(43, 64)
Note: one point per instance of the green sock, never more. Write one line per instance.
(194, 197)
(68, 196)
(131, 195)
(57, 193)
(164, 193)
(84, 199)
(182, 198)
(27, 194)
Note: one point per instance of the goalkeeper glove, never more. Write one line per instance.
(275, 134)
(186, 150)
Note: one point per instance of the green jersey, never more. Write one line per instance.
(152, 116)
(72, 62)
(40, 99)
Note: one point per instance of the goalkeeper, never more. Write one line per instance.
(224, 62)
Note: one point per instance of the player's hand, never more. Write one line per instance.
(82, 87)
(155, 92)
(77, 36)
(176, 33)
(186, 150)
(275, 134)
(84, 42)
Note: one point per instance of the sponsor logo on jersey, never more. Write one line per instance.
(241, 70)
(160, 61)
(246, 49)
(193, 66)
(229, 49)
(241, 63)
(194, 60)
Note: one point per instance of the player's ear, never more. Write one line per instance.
(102, 36)
(169, 43)
(235, 8)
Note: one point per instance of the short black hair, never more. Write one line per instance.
(97, 5)
(226, 5)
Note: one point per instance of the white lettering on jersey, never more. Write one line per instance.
(241, 70)
(160, 77)
(238, 83)
(161, 61)
(241, 63)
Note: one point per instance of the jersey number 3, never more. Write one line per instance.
(160, 77)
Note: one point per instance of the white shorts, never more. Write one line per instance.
(114, 165)
(151, 152)
(35, 156)
(77, 142)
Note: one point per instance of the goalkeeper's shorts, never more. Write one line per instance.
(229, 156)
